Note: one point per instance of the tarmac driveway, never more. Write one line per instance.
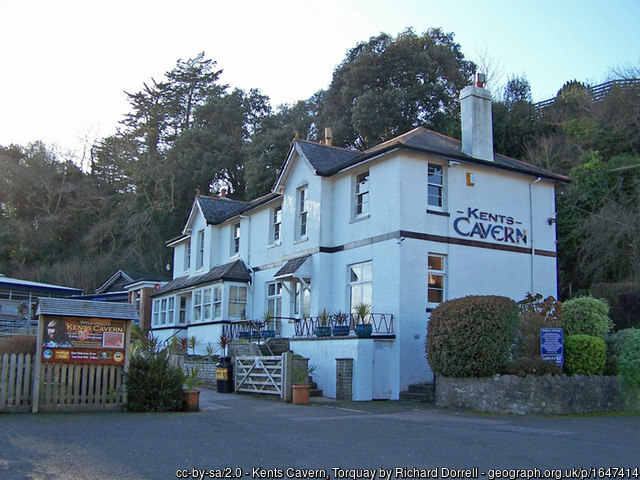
(260, 438)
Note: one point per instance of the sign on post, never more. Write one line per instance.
(552, 345)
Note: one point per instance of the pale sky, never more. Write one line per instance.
(66, 63)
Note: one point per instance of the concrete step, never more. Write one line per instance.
(420, 392)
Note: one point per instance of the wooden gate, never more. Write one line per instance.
(263, 375)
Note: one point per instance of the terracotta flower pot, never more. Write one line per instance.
(300, 394)
(191, 400)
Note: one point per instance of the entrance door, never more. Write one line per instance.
(382, 370)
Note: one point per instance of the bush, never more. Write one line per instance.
(615, 342)
(471, 336)
(584, 355)
(535, 314)
(25, 344)
(624, 302)
(586, 316)
(152, 383)
(629, 359)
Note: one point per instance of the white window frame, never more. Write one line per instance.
(163, 311)
(237, 300)
(216, 307)
(360, 288)
(273, 299)
(434, 185)
(435, 272)
(301, 300)
(275, 230)
(200, 256)
(235, 239)
(182, 309)
(361, 195)
(196, 306)
(302, 212)
(187, 255)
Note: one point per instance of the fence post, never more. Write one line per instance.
(287, 362)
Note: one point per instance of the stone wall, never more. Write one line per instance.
(548, 394)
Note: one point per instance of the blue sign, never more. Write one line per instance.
(552, 345)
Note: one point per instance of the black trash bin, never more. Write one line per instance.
(224, 375)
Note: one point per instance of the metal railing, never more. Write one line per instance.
(595, 93)
(12, 327)
(381, 323)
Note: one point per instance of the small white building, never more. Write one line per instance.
(403, 226)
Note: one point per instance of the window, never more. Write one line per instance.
(360, 283)
(156, 312)
(206, 305)
(301, 300)
(436, 273)
(197, 306)
(435, 188)
(302, 212)
(235, 239)
(187, 255)
(217, 301)
(237, 301)
(362, 194)
(163, 311)
(276, 224)
(183, 310)
(200, 257)
(170, 308)
(274, 299)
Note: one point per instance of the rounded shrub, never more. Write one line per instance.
(629, 359)
(471, 336)
(153, 384)
(586, 316)
(584, 355)
(615, 342)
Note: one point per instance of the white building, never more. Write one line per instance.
(403, 226)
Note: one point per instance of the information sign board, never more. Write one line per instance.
(552, 345)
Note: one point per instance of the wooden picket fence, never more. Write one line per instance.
(62, 386)
(16, 382)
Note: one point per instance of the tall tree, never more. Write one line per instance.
(389, 85)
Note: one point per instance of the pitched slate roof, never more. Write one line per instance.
(324, 158)
(291, 266)
(234, 272)
(86, 308)
(328, 160)
(218, 209)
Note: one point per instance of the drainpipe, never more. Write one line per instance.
(249, 260)
(531, 232)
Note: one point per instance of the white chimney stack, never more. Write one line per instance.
(477, 127)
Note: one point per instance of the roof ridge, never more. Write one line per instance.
(330, 146)
(225, 199)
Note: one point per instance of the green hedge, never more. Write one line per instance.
(584, 355)
(471, 336)
(586, 316)
(629, 359)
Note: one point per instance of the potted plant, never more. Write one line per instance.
(322, 327)
(340, 324)
(300, 387)
(268, 327)
(190, 395)
(362, 319)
